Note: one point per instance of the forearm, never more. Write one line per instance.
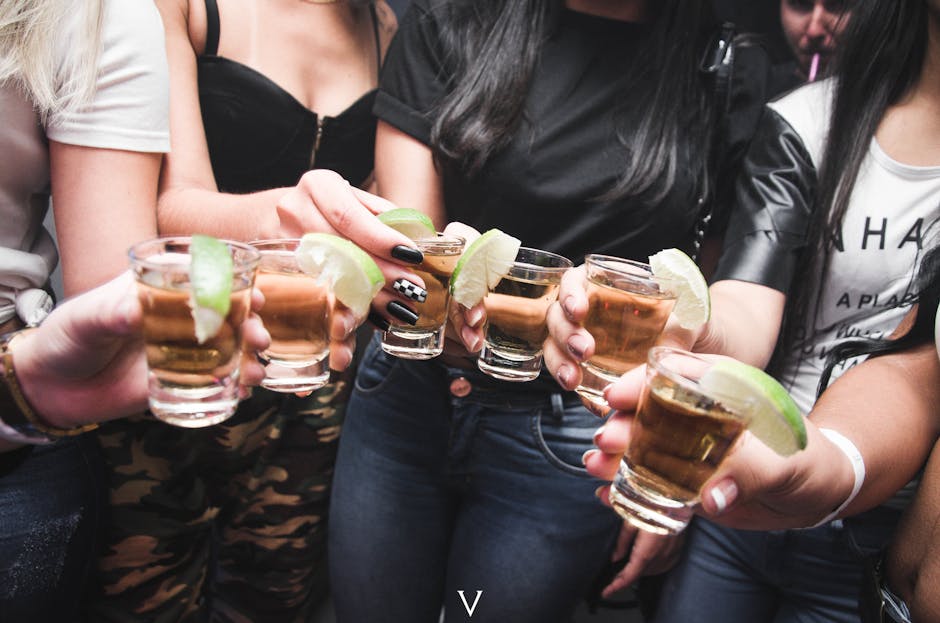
(744, 323)
(236, 217)
(890, 409)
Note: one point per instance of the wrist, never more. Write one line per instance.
(22, 422)
(851, 472)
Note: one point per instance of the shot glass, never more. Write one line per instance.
(627, 311)
(679, 437)
(425, 339)
(189, 384)
(296, 312)
(515, 312)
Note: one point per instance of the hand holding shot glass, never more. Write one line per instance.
(691, 412)
(424, 338)
(195, 292)
(515, 313)
(629, 304)
(297, 313)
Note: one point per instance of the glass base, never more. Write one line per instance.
(291, 377)
(193, 406)
(413, 344)
(644, 508)
(593, 383)
(509, 366)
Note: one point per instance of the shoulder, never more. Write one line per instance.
(132, 36)
(807, 111)
(131, 19)
(185, 18)
(129, 109)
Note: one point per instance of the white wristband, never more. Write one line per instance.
(858, 467)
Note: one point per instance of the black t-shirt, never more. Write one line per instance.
(544, 187)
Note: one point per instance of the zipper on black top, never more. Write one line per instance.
(321, 121)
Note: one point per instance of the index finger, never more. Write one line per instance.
(572, 294)
(624, 393)
(352, 214)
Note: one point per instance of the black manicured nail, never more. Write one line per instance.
(402, 312)
(407, 254)
(410, 290)
(378, 321)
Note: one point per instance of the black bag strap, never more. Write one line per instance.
(717, 62)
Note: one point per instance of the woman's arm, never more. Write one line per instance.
(886, 406)
(189, 198)
(406, 175)
(103, 200)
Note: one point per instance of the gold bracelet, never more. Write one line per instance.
(29, 421)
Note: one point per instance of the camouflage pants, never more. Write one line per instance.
(225, 523)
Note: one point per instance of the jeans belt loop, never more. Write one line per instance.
(558, 407)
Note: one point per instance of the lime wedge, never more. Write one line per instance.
(412, 223)
(775, 419)
(354, 277)
(483, 263)
(210, 276)
(693, 306)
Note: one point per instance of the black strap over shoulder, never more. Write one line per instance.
(212, 28)
(717, 63)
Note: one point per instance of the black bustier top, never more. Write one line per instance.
(261, 137)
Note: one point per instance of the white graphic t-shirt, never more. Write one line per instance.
(870, 285)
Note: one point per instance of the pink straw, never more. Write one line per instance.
(814, 67)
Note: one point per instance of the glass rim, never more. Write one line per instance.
(272, 241)
(609, 262)
(239, 264)
(563, 262)
(741, 406)
(440, 239)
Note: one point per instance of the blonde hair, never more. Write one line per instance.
(32, 35)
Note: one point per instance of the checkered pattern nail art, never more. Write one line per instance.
(411, 290)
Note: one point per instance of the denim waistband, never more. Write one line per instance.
(487, 391)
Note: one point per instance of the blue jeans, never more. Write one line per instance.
(738, 576)
(437, 496)
(50, 508)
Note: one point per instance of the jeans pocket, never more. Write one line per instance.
(376, 369)
(564, 441)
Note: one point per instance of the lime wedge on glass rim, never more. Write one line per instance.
(693, 306)
(210, 278)
(410, 222)
(481, 266)
(775, 418)
(353, 276)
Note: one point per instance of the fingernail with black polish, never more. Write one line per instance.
(407, 254)
(411, 290)
(402, 312)
(378, 321)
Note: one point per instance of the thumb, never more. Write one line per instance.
(109, 311)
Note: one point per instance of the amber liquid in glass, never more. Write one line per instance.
(515, 313)
(425, 339)
(678, 440)
(296, 313)
(174, 355)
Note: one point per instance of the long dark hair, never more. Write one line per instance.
(495, 46)
(879, 59)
